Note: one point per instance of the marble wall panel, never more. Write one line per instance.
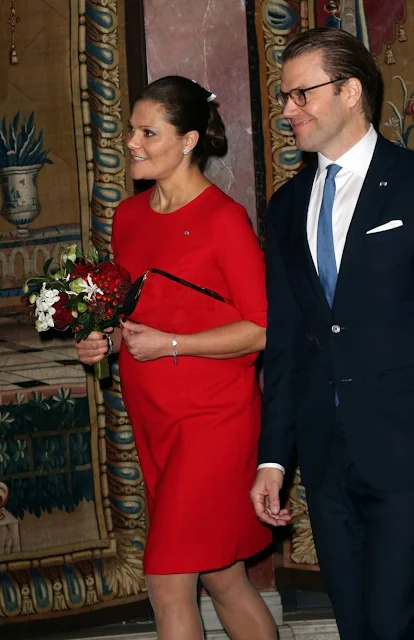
(206, 40)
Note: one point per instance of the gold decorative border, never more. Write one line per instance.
(283, 159)
(277, 22)
(105, 156)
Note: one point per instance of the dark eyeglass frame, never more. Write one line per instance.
(299, 95)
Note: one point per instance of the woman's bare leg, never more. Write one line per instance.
(239, 605)
(174, 601)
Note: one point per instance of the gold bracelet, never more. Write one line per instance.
(174, 345)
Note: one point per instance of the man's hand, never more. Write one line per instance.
(265, 497)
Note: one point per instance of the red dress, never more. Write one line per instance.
(196, 425)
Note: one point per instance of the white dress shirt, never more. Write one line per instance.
(348, 181)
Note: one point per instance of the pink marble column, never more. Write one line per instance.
(206, 40)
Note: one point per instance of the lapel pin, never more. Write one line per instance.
(383, 184)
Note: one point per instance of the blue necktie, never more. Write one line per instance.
(328, 272)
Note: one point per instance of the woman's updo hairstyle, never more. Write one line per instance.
(190, 107)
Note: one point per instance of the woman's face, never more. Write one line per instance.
(156, 150)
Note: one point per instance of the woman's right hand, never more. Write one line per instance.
(93, 349)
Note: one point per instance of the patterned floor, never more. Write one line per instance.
(29, 360)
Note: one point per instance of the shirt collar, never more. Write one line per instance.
(357, 159)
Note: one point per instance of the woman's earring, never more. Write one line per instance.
(185, 152)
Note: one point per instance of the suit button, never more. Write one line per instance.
(335, 328)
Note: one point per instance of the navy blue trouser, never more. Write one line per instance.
(365, 544)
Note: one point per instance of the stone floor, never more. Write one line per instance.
(289, 629)
(143, 628)
(301, 630)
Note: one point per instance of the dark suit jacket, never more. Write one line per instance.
(363, 347)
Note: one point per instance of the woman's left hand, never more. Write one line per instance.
(145, 343)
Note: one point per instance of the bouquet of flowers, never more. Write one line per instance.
(83, 295)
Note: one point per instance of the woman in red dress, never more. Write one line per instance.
(195, 412)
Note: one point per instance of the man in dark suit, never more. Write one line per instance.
(339, 360)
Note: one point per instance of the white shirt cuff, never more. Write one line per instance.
(272, 465)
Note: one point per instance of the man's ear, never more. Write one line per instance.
(353, 89)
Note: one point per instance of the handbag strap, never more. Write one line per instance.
(191, 285)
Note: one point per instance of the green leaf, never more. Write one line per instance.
(86, 322)
(47, 265)
(55, 284)
(26, 148)
(15, 122)
(397, 113)
(12, 159)
(4, 129)
(30, 122)
(111, 322)
(12, 133)
(69, 266)
(34, 152)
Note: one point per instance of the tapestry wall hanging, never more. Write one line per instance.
(72, 504)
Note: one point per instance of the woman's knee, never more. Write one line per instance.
(171, 591)
(225, 582)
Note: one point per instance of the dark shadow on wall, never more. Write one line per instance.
(136, 61)
(257, 128)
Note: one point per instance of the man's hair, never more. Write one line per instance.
(343, 57)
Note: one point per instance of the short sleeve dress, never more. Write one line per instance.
(196, 425)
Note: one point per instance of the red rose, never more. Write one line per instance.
(63, 316)
(81, 270)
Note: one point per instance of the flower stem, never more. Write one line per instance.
(101, 369)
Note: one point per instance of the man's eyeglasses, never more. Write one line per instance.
(299, 95)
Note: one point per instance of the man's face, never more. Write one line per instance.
(323, 123)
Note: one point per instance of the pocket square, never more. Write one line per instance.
(392, 224)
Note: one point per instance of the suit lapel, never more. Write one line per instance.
(371, 201)
(302, 197)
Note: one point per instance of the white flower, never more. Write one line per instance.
(87, 286)
(46, 298)
(45, 309)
